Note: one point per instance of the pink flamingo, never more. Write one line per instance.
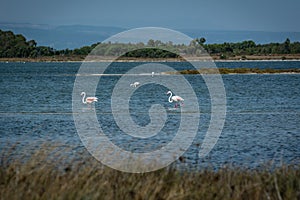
(88, 100)
(175, 99)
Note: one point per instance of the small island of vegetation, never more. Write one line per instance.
(236, 71)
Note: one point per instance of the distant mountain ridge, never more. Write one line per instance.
(62, 37)
(76, 36)
(259, 37)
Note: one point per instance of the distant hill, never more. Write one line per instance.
(259, 37)
(76, 36)
(62, 37)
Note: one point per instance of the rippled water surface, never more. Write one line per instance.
(262, 120)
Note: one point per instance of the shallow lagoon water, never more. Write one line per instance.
(262, 120)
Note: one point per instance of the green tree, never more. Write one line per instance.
(287, 46)
(151, 43)
(201, 40)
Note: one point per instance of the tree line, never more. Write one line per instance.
(15, 45)
(250, 48)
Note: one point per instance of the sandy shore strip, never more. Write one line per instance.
(214, 58)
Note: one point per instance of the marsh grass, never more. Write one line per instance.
(48, 175)
(237, 71)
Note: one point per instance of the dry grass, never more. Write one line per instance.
(84, 178)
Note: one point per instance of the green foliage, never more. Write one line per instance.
(222, 56)
(12, 45)
(83, 50)
(250, 48)
(150, 53)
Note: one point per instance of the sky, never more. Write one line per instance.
(246, 15)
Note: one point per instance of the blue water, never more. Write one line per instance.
(262, 120)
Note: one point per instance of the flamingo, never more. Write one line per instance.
(135, 84)
(88, 100)
(175, 98)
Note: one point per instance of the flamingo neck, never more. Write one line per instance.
(170, 100)
(83, 98)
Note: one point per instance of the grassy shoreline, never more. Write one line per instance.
(291, 57)
(237, 71)
(41, 178)
(199, 71)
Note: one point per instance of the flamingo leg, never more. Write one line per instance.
(90, 106)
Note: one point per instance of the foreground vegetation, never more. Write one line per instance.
(84, 178)
(16, 46)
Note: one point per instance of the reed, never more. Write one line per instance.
(48, 175)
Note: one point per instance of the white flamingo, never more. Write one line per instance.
(175, 99)
(88, 100)
(135, 84)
